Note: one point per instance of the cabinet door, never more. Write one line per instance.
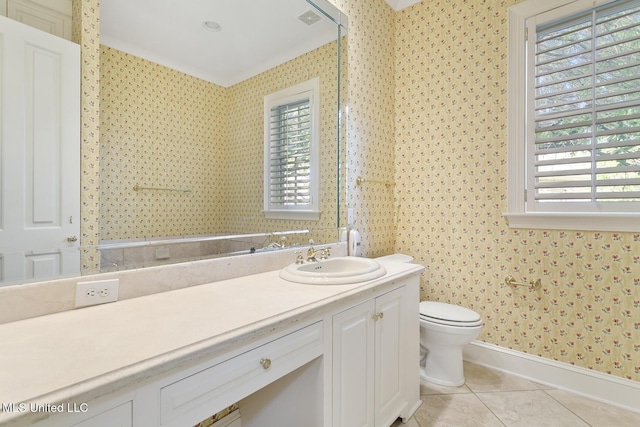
(120, 416)
(389, 357)
(353, 363)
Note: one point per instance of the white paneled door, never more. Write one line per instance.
(39, 154)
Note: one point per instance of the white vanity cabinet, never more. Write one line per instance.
(112, 411)
(191, 399)
(316, 356)
(255, 373)
(119, 416)
(375, 347)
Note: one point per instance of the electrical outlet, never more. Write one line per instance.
(96, 292)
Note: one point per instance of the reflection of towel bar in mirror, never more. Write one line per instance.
(181, 190)
(533, 284)
(360, 180)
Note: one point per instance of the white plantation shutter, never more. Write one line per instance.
(583, 153)
(290, 154)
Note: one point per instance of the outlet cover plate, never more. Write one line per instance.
(96, 292)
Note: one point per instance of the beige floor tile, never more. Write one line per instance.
(480, 379)
(529, 408)
(427, 388)
(490, 398)
(595, 413)
(454, 410)
(542, 386)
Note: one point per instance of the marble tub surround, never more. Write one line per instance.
(43, 298)
(118, 256)
(52, 358)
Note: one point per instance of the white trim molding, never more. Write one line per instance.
(594, 385)
(621, 222)
(577, 216)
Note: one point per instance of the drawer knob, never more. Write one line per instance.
(266, 363)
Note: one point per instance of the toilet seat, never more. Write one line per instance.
(449, 314)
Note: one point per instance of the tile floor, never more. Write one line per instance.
(490, 398)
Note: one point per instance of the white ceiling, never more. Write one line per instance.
(256, 34)
(401, 4)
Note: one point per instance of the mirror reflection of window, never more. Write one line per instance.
(291, 152)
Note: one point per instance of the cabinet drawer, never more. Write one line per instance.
(196, 397)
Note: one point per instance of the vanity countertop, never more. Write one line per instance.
(78, 355)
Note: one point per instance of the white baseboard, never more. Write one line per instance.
(595, 385)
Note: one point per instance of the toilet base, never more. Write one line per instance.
(443, 367)
(438, 381)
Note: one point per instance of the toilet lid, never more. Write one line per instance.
(448, 312)
(396, 258)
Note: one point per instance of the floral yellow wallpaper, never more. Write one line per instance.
(86, 32)
(427, 99)
(451, 82)
(159, 128)
(245, 170)
(165, 129)
(370, 121)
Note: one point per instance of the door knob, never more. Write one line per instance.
(72, 239)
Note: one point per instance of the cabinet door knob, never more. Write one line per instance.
(266, 363)
(377, 316)
(72, 239)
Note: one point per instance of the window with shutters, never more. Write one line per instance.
(291, 152)
(574, 115)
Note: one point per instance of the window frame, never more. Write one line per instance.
(517, 215)
(310, 211)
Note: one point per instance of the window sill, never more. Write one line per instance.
(284, 214)
(621, 222)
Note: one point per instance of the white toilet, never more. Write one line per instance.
(444, 330)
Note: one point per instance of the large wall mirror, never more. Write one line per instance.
(182, 88)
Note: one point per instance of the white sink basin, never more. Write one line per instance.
(334, 271)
